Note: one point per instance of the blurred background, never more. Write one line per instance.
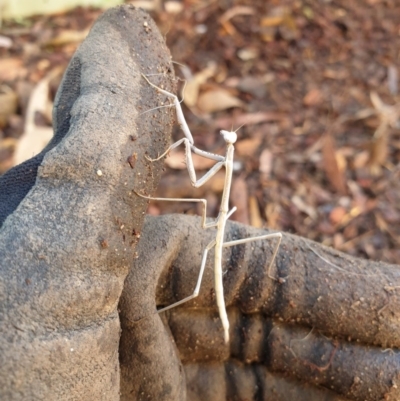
(314, 83)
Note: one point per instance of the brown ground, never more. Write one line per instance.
(315, 84)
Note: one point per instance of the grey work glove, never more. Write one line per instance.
(327, 328)
(69, 217)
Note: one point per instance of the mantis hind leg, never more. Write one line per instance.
(204, 223)
(198, 284)
(260, 238)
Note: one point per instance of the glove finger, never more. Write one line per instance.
(67, 238)
(355, 371)
(308, 284)
(233, 380)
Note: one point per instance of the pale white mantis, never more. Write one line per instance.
(224, 213)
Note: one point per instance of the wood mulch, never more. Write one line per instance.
(314, 84)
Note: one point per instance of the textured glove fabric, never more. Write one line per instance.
(69, 217)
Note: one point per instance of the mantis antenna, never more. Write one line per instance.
(218, 243)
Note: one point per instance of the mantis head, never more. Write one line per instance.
(229, 136)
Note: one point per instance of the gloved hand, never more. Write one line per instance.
(68, 217)
(70, 222)
(326, 329)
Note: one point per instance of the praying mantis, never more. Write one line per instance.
(218, 243)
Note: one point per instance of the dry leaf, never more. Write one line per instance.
(67, 36)
(228, 27)
(236, 10)
(217, 100)
(393, 79)
(279, 17)
(388, 116)
(341, 159)
(268, 34)
(272, 21)
(247, 147)
(266, 162)
(338, 241)
(32, 143)
(145, 4)
(217, 183)
(10, 68)
(173, 7)
(251, 118)
(254, 85)
(303, 207)
(224, 20)
(387, 113)
(35, 138)
(335, 74)
(361, 159)
(337, 214)
(313, 97)
(360, 200)
(192, 87)
(380, 222)
(5, 42)
(239, 198)
(331, 166)
(248, 53)
(378, 149)
(385, 227)
(255, 216)
(272, 213)
(7, 146)
(8, 104)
